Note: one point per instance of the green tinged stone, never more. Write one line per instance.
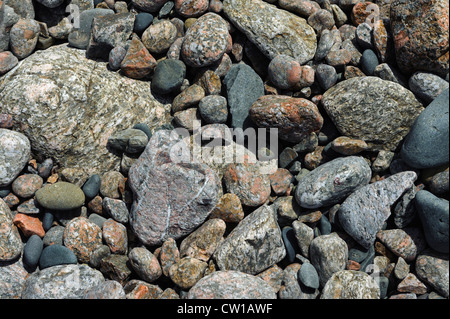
(60, 196)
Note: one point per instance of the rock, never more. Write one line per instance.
(348, 146)
(433, 213)
(142, 21)
(369, 62)
(62, 30)
(168, 76)
(129, 141)
(433, 270)
(308, 276)
(229, 208)
(26, 185)
(326, 76)
(333, 181)
(145, 264)
(78, 39)
(32, 251)
(191, 8)
(295, 118)
(293, 288)
(364, 36)
(61, 282)
(158, 38)
(256, 239)
(24, 8)
(55, 255)
(24, 37)
(281, 181)
(427, 86)
(202, 243)
(116, 267)
(138, 62)
(350, 284)
(376, 111)
(205, 41)
(274, 31)
(213, 109)
(29, 225)
(412, 284)
(116, 208)
(50, 3)
(106, 290)
(149, 5)
(244, 87)
(12, 276)
(364, 212)
(54, 236)
(82, 237)
(169, 255)
(439, 184)
(114, 234)
(112, 184)
(420, 33)
(304, 235)
(286, 73)
(248, 182)
(107, 32)
(231, 285)
(321, 20)
(187, 272)
(7, 62)
(61, 129)
(160, 209)
(431, 128)
(116, 57)
(188, 98)
(15, 151)
(92, 187)
(60, 196)
(328, 255)
(399, 242)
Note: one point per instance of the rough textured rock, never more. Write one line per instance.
(274, 31)
(364, 211)
(328, 254)
(431, 128)
(399, 242)
(379, 112)
(295, 118)
(231, 285)
(420, 32)
(171, 198)
(12, 279)
(68, 106)
(10, 242)
(254, 245)
(14, 154)
(61, 282)
(333, 181)
(433, 269)
(350, 284)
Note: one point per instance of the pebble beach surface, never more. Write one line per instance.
(124, 173)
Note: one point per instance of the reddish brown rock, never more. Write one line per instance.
(115, 236)
(83, 237)
(229, 208)
(382, 41)
(421, 35)
(169, 255)
(7, 62)
(24, 37)
(188, 98)
(365, 11)
(191, 8)
(281, 181)
(29, 225)
(348, 146)
(295, 118)
(138, 62)
(399, 242)
(6, 120)
(26, 185)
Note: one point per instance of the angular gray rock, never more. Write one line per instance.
(254, 245)
(433, 269)
(350, 284)
(379, 112)
(68, 106)
(171, 198)
(15, 152)
(61, 282)
(328, 254)
(333, 181)
(427, 86)
(10, 242)
(364, 211)
(274, 31)
(231, 285)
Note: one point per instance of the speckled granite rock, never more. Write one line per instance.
(379, 112)
(61, 282)
(12, 279)
(10, 242)
(254, 245)
(434, 270)
(274, 31)
(231, 285)
(15, 152)
(350, 284)
(332, 181)
(66, 107)
(364, 211)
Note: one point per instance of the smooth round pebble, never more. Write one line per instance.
(168, 76)
(32, 251)
(308, 276)
(92, 186)
(60, 196)
(56, 255)
(142, 21)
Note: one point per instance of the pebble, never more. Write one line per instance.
(29, 225)
(7, 62)
(429, 128)
(142, 21)
(348, 146)
(399, 242)
(60, 196)
(83, 237)
(410, 284)
(92, 186)
(26, 186)
(308, 276)
(32, 251)
(15, 152)
(187, 272)
(24, 37)
(115, 236)
(427, 86)
(304, 235)
(56, 254)
(145, 264)
(231, 284)
(350, 284)
(321, 20)
(168, 76)
(229, 208)
(369, 62)
(433, 213)
(116, 57)
(439, 183)
(106, 290)
(54, 236)
(158, 37)
(326, 76)
(433, 270)
(188, 98)
(191, 8)
(112, 184)
(213, 109)
(116, 267)
(169, 255)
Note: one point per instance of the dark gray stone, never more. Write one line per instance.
(434, 215)
(128, 140)
(78, 39)
(427, 86)
(369, 62)
(308, 276)
(168, 76)
(213, 109)
(326, 75)
(142, 22)
(32, 251)
(92, 186)
(439, 184)
(56, 255)
(290, 243)
(47, 220)
(427, 143)
(244, 87)
(144, 128)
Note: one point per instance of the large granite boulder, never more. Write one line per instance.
(68, 106)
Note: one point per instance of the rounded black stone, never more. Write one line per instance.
(47, 220)
(168, 76)
(142, 21)
(56, 255)
(32, 251)
(92, 186)
(369, 62)
(290, 243)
